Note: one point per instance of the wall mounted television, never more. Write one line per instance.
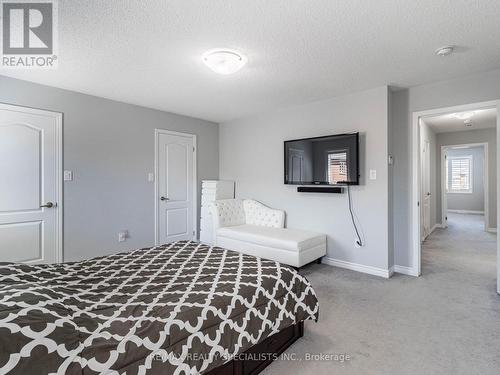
(328, 160)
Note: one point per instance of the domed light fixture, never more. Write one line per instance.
(224, 61)
(445, 51)
(463, 115)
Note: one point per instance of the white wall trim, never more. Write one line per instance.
(470, 212)
(405, 270)
(195, 181)
(59, 186)
(437, 225)
(58, 116)
(416, 178)
(385, 273)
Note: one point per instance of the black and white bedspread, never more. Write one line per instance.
(181, 308)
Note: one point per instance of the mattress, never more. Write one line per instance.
(180, 308)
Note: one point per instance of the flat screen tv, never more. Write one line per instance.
(330, 160)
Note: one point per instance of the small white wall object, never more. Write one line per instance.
(122, 235)
(68, 175)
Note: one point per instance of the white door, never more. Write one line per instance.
(444, 187)
(30, 185)
(175, 193)
(426, 189)
(296, 165)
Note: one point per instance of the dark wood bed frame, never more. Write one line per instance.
(272, 346)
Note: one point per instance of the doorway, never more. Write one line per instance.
(465, 183)
(31, 204)
(448, 175)
(175, 186)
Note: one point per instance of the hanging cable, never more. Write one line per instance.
(359, 242)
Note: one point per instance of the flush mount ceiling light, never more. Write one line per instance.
(445, 51)
(463, 115)
(224, 61)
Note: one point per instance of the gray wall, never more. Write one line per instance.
(476, 136)
(465, 90)
(110, 147)
(473, 201)
(251, 153)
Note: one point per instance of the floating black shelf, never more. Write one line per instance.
(318, 189)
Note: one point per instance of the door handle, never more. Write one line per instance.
(48, 205)
(164, 199)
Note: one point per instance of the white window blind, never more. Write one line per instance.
(460, 174)
(337, 167)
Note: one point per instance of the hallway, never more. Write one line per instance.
(463, 249)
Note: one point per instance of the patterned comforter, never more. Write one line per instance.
(181, 308)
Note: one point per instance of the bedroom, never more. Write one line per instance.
(125, 70)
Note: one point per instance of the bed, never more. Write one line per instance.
(180, 308)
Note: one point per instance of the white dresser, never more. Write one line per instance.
(212, 190)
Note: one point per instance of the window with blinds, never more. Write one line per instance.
(459, 173)
(337, 167)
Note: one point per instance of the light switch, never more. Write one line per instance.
(373, 174)
(151, 177)
(68, 175)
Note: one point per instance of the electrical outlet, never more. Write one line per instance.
(122, 235)
(151, 177)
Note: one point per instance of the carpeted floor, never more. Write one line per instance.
(445, 322)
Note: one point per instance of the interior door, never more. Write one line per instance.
(30, 170)
(444, 187)
(426, 189)
(296, 165)
(176, 187)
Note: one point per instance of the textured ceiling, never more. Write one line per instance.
(148, 52)
(482, 119)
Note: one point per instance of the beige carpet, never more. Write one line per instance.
(445, 322)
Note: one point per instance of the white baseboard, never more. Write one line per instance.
(438, 225)
(492, 230)
(405, 270)
(432, 230)
(470, 212)
(358, 267)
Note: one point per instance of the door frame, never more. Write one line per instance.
(58, 117)
(156, 179)
(444, 206)
(416, 178)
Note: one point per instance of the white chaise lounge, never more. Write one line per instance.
(249, 227)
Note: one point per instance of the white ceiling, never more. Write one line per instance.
(148, 52)
(482, 119)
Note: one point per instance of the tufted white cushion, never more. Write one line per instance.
(258, 214)
(278, 238)
(228, 213)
